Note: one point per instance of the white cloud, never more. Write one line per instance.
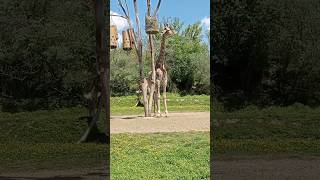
(120, 22)
(120, 39)
(206, 22)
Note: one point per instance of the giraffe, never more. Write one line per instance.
(161, 71)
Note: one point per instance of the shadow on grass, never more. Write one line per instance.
(42, 178)
(80, 177)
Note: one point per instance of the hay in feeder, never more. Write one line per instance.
(131, 37)
(126, 44)
(113, 37)
(152, 26)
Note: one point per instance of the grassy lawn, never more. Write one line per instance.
(266, 148)
(63, 125)
(19, 157)
(176, 103)
(47, 140)
(160, 156)
(133, 156)
(290, 131)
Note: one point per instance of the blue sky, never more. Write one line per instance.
(189, 11)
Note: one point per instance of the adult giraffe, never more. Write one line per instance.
(161, 71)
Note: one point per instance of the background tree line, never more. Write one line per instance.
(187, 58)
(266, 53)
(47, 56)
(46, 53)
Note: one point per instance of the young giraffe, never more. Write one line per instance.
(161, 71)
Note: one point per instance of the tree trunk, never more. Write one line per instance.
(153, 75)
(104, 63)
(144, 86)
(143, 81)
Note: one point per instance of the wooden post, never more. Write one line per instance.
(104, 63)
(153, 73)
(143, 84)
(102, 82)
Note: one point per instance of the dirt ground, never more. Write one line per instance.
(275, 169)
(175, 122)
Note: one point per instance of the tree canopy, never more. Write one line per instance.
(266, 53)
(47, 56)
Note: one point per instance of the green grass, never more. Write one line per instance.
(27, 156)
(230, 148)
(176, 103)
(160, 156)
(290, 131)
(46, 140)
(272, 122)
(133, 156)
(60, 126)
(63, 126)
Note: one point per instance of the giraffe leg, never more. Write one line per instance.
(158, 97)
(145, 96)
(164, 94)
(154, 103)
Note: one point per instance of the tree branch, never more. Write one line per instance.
(138, 22)
(148, 6)
(157, 9)
(127, 8)
(119, 16)
(122, 7)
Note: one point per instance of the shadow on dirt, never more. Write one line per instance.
(133, 117)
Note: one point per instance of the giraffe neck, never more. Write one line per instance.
(161, 58)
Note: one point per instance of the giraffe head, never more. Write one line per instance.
(167, 31)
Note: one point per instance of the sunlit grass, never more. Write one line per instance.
(176, 103)
(47, 140)
(160, 156)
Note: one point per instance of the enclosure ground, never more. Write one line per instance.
(175, 122)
